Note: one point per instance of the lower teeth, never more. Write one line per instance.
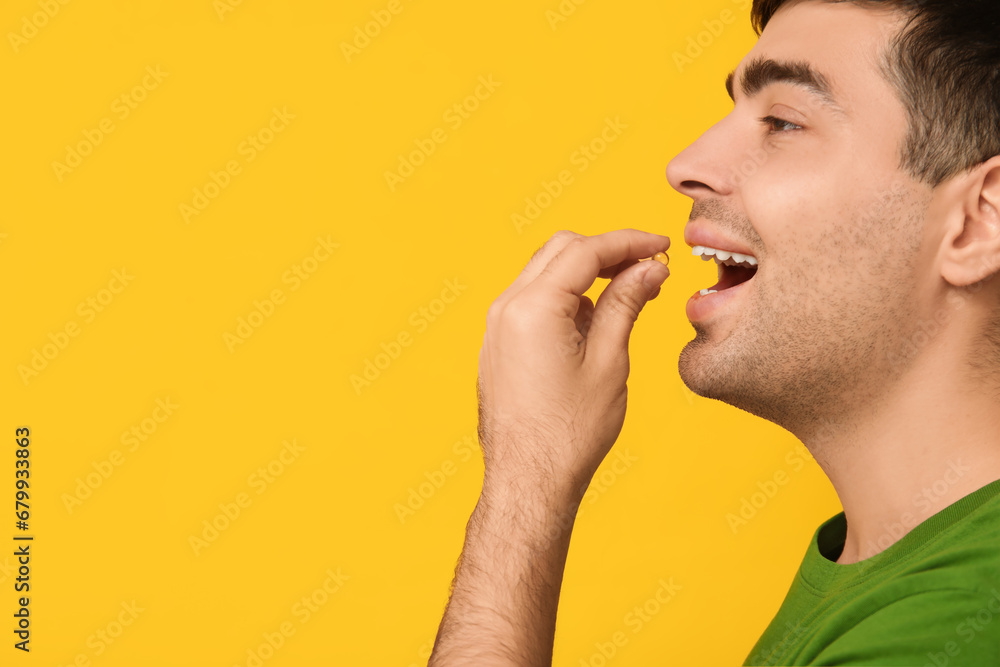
(706, 292)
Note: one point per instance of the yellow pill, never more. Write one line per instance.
(662, 258)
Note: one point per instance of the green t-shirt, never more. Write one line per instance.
(931, 599)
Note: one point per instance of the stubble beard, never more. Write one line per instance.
(804, 353)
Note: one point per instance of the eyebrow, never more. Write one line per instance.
(762, 72)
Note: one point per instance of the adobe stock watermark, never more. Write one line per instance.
(858, 229)
(688, 395)
(132, 439)
(767, 653)
(750, 507)
(927, 501)
(581, 159)
(434, 479)
(121, 108)
(59, 340)
(7, 569)
(454, 117)
(968, 630)
(223, 7)
(105, 637)
(713, 29)
(294, 277)
(258, 481)
(927, 329)
(757, 157)
(365, 33)
(562, 13)
(248, 149)
(30, 25)
(635, 620)
(590, 492)
(420, 319)
(303, 610)
(423, 653)
(614, 468)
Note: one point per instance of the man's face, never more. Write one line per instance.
(804, 176)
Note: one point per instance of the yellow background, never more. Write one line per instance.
(366, 453)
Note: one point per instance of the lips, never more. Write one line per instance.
(696, 235)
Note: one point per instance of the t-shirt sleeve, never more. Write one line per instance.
(937, 628)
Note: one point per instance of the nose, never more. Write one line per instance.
(704, 168)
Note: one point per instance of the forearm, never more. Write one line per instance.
(552, 396)
(506, 589)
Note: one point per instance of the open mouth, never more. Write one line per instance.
(734, 268)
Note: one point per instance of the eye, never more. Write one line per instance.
(777, 125)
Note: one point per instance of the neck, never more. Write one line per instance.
(931, 439)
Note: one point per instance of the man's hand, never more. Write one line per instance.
(553, 366)
(552, 398)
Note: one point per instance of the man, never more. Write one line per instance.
(869, 327)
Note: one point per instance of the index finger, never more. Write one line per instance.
(583, 259)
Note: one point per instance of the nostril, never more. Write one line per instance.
(693, 187)
(700, 169)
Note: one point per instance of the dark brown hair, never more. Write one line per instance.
(945, 66)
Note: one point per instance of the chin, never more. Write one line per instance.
(694, 368)
(724, 380)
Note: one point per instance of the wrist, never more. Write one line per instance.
(544, 493)
(524, 512)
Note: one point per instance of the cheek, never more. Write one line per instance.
(816, 237)
(823, 223)
(790, 209)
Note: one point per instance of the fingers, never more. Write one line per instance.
(583, 258)
(618, 308)
(613, 271)
(566, 266)
(540, 258)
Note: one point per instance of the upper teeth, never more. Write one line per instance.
(724, 256)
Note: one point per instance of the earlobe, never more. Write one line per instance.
(972, 252)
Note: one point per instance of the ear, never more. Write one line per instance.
(971, 247)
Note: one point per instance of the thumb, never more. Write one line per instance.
(618, 308)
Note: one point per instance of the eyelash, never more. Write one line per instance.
(774, 120)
